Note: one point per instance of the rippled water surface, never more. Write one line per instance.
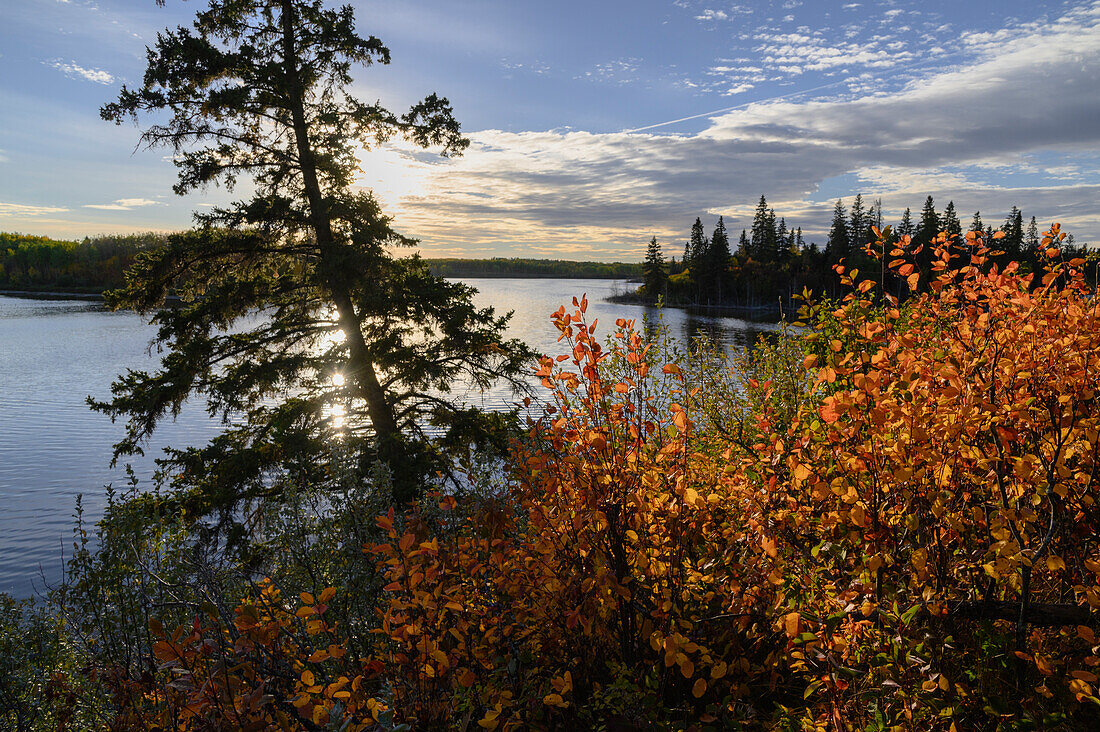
(54, 353)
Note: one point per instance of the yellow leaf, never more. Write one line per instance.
(699, 688)
(308, 678)
(307, 598)
(1055, 564)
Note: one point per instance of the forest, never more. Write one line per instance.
(96, 264)
(772, 264)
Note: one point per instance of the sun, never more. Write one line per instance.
(394, 173)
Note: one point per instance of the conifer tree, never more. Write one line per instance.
(718, 260)
(771, 239)
(291, 300)
(743, 244)
(929, 225)
(951, 223)
(1013, 228)
(857, 225)
(783, 239)
(1031, 242)
(654, 272)
(838, 246)
(976, 223)
(906, 227)
(698, 245)
(760, 232)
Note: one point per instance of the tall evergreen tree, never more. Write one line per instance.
(857, 225)
(929, 225)
(291, 300)
(743, 244)
(698, 245)
(906, 227)
(1032, 240)
(976, 223)
(838, 247)
(783, 240)
(761, 232)
(771, 238)
(718, 259)
(951, 223)
(654, 272)
(1013, 227)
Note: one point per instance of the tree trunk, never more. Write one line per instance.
(390, 444)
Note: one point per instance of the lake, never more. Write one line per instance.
(54, 353)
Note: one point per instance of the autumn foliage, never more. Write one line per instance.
(911, 544)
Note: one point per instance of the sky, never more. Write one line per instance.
(596, 125)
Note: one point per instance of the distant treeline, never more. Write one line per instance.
(514, 267)
(95, 264)
(91, 265)
(771, 262)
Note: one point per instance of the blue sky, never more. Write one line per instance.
(596, 125)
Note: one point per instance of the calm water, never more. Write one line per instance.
(53, 354)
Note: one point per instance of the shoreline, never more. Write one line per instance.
(749, 313)
(52, 295)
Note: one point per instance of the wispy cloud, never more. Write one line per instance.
(571, 191)
(124, 204)
(76, 71)
(20, 209)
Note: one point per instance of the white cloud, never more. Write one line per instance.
(75, 71)
(123, 204)
(19, 209)
(585, 193)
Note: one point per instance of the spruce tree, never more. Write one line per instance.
(1013, 228)
(838, 247)
(743, 244)
(906, 227)
(654, 272)
(771, 238)
(760, 232)
(1032, 240)
(929, 225)
(291, 300)
(713, 276)
(698, 245)
(976, 223)
(951, 223)
(783, 240)
(857, 225)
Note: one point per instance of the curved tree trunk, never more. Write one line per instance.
(361, 370)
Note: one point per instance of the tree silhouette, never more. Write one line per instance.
(292, 302)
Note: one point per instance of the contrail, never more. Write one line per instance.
(737, 106)
(909, 67)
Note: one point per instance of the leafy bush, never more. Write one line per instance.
(887, 521)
